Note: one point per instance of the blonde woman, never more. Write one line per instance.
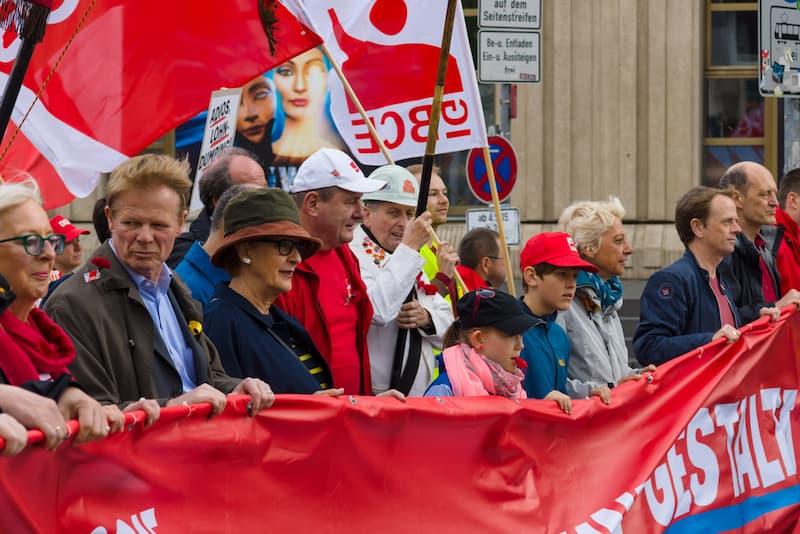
(599, 354)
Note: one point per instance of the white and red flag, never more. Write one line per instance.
(389, 52)
(134, 70)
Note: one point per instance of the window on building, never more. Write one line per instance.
(739, 124)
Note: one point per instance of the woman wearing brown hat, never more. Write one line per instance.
(263, 244)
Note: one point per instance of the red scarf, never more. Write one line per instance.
(28, 349)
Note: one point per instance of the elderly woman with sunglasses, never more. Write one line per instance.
(34, 351)
(263, 244)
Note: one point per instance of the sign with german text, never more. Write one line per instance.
(509, 57)
(218, 135)
(511, 14)
(486, 218)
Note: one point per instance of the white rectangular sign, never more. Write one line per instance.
(508, 57)
(219, 134)
(513, 14)
(484, 218)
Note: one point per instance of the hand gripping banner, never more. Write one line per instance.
(707, 445)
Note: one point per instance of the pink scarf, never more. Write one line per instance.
(474, 375)
(38, 346)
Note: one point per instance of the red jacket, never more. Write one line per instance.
(301, 302)
(788, 258)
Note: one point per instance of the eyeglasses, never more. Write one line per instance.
(34, 243)
(495, 257)
(286, 246)
(484, 294)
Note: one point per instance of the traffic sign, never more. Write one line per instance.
(779, 46)
(513, 14)
(504, 162)
(509, 57)
(485, 218)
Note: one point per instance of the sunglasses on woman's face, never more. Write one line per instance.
(34, 243)
(286, 246)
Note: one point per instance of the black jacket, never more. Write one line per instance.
(746, 269)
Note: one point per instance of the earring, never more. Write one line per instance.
(480, 347)
(247, 261)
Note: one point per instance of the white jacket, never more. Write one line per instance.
(389, 280)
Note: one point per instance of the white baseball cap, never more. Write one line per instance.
(328, 167)
(401, 186)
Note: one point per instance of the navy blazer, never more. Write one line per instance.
(679, 311)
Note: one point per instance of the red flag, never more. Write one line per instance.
(133, 71)
(389, 51)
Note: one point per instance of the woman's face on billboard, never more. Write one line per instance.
(302, 83)
(256, 108)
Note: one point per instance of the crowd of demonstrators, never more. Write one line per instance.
(482, 357)
(136, 329)
(598, 354)
(550, 265)
(442, 276)
(234, 166)
(787, 216)
(263, 245)
(337, 289)
(196, 270)
(753, 258)
(328, 295)
(480, 262)
(410, 316)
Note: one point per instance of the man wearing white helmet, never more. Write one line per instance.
(405, 331)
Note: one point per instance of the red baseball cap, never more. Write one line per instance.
(556, 248)
(61, 225)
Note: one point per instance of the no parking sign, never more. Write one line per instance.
(504, 162)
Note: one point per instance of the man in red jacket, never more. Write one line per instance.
(788, 216)
(328, 295)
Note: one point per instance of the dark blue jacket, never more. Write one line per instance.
(679, 311)
(248, 346)
(546, 350)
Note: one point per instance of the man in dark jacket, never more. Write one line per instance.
(136, 329)
(753, 261)
(688, 303)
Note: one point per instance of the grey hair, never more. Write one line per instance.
(12, 194)
(587, 220)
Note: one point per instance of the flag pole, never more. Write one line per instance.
(498, 215)
(377, 138)
(436, 109)
(30, 16)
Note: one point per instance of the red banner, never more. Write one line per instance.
(707, 446)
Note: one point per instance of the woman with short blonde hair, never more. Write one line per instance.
(599, 354)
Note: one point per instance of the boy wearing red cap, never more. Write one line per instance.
(550, 263)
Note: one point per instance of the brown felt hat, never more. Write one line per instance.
(262, 213)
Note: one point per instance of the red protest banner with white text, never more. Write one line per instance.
(119, 74)
(389, 52)
(708, 446)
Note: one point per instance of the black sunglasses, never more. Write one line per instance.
(286, 246)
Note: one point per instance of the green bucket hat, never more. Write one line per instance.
(262, 213)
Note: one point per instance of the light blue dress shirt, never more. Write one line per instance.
(165, 321)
